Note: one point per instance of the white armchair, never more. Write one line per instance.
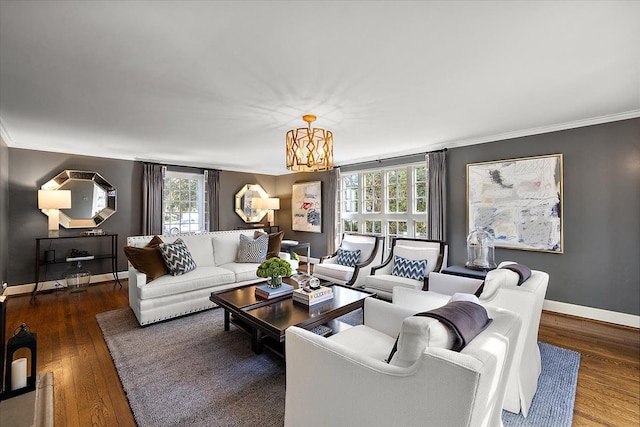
(371, 249)
(500, 290)
(382, 280)
(344, 381)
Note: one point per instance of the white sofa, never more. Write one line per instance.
(500, 290)
(382, 281)
(346, 377)
(371, 251)
(170, 296)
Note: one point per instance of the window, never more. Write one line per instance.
(183, 203)
(388, 201)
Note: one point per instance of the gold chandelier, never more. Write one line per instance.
(309, 149)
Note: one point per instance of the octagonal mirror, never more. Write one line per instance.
(93, 199)
(244, 203)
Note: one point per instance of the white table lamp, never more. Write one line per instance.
(270, 204)
(51, 201)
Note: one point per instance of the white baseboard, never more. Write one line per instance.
(593, 313)
(27, 288)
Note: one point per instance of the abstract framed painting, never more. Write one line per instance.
(519, 201)
(306, 207)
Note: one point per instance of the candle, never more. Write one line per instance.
(19, 373)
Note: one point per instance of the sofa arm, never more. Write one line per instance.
(136, 279)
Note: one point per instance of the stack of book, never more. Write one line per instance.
(310, 296)
(265, 292)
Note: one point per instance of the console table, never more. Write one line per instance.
(112, 255)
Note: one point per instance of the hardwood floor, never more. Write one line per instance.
(88, 391)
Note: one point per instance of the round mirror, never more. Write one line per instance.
(93, 199)
(244, 203)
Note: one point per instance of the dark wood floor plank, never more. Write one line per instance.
(88, 391)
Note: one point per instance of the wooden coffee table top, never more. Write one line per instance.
(272, 317)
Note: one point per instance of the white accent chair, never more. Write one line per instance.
(344, 381)
(371, 250)
(499, 290)
(382, 281)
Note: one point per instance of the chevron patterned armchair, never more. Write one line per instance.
(408, 265)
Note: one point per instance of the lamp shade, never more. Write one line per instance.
(54, 199)
(267, 203)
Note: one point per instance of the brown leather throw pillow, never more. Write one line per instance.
(148, 259)
(275, 240)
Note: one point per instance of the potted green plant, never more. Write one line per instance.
(274, 269)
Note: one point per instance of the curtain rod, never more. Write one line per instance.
(391, 158)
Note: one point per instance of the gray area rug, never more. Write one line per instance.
(189, 371)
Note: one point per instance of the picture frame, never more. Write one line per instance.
(519, 201)
(306, 207)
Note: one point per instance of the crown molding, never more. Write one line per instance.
(543, 129)
(4, 134)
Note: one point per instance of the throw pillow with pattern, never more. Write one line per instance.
(409, 268)
(177, 257)
(348, 258)
(253, 250)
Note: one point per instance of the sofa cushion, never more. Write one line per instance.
(366, 341)
(148, 259)
(365, 244)
(415, 252)
(409, 268)
(243, 271)
(336, 271)
(201, 248)
(348, 258)
(253, 249)
(416, 334)
(386, 282)
(200, 278)
(225, 246)
(177, 257)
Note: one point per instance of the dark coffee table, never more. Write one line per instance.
(267, 320)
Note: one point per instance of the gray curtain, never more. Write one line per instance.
(332, 213)
(212, 182)
(152, 186)
(437, 205)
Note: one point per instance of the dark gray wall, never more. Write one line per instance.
(28, 170)
(4, 212)
(318, 241)
(600, 266)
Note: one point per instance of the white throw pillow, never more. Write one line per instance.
(416, 334)
(413, 252)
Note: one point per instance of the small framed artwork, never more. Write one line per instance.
(519, 201)
(306, 207)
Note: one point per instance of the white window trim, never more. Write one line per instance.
(411, 217)
(199, 177)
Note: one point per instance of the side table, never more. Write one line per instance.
(290, 247)
(461, 270)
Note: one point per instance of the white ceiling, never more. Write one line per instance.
(218, 84)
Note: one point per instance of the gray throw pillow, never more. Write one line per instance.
(253, 250)
(177, 257)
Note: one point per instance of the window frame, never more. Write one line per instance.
(199, 202)
(363, 219)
